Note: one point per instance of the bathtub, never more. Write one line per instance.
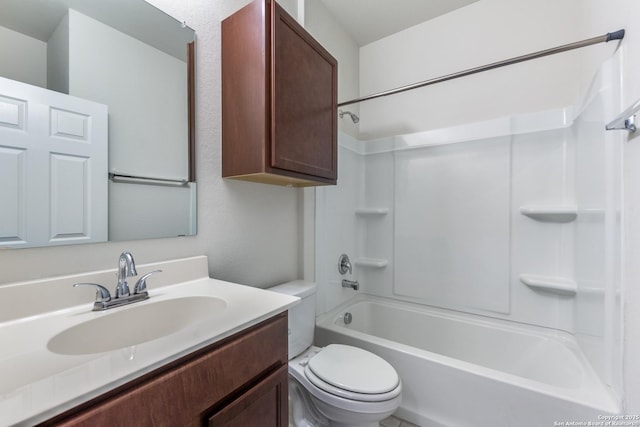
(467, 370)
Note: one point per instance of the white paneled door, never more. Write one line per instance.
(53, 167)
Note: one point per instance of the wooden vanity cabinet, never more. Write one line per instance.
(241, 381)
(279, 100)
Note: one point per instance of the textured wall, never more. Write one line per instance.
(249, 231)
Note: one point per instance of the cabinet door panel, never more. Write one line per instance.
(245, 90)
(304, 101)
(264, 405)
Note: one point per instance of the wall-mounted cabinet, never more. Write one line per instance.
(279, 100)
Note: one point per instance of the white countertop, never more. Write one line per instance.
(36, 383)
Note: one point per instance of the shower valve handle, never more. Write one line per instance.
(344, 265)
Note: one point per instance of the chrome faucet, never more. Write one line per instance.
(126, 268)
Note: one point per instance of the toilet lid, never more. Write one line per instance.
(354, 369)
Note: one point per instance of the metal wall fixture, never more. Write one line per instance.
(354, 118)
(616, 35)
(625, 120)
(344, 265)
(118, 177)
(350, 284)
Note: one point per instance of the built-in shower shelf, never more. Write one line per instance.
(372, 262)
(550, 213)
(556, 285)
(372, 211)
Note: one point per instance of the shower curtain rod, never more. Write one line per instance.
(616, 35)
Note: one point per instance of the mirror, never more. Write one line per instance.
(96, 123)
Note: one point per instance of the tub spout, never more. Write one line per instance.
(350, 284)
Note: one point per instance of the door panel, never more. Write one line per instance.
(53, 154)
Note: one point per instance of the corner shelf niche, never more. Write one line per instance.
(371, 262)
(552, 284)
(371, 212)
(550, 213)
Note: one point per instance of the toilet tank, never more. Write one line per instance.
(302, 316)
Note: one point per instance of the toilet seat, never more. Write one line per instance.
(353, 373)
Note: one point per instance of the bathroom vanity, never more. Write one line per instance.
(198, 352)
(241, 380)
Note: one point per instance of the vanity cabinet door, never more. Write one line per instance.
(185, 393)
(279, 100)
(264, 405)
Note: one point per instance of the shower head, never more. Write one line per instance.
(354, 118)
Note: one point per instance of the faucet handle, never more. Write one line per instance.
(141, 284)
(344, 265)
(102, 293)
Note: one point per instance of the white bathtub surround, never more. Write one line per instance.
(445, 207)
(517, 219)
(464, 369)
(40, 378)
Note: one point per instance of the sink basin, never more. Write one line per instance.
(135, 324)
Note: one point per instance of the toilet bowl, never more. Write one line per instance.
(337, 385)
(358, 390)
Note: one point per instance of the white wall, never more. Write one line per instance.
(326, 29)
(58, 57)
(24, 58)
(475, 35)
(249, 231)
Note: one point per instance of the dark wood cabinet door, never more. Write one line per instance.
(279, 100)
(264, 405)
(304, 101)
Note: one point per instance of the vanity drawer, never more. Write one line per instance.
(185, 391)
(264, 405)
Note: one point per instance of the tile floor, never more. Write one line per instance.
(388, 422)
(396, 422)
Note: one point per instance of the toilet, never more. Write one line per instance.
(336, 385)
